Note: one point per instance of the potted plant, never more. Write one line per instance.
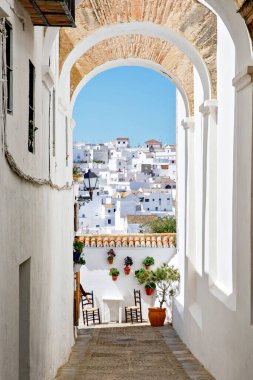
(142, 275)
(166, 279)
(78, 264)
(114, 272)
(150, 287)
(128, 261)
(110, 256)
(146, 277)
(148, 261)
(78, 249)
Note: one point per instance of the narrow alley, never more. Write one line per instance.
(132, 352)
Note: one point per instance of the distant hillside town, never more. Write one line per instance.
(135, 185)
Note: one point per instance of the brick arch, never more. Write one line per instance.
(188, 18)
(245, 8)
(142, 47)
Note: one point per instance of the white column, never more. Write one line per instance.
(188, 124)
(209, 141)
(242, 199)
(190, 232)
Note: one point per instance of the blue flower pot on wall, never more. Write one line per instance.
(76, 256)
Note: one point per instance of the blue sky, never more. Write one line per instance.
(129, 101)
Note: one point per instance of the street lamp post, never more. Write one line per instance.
(90, 181)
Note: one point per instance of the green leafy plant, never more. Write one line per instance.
(114, 272)
(80, 261)
(160, 225)
(167, 279)
(76, 173)
(141, 275)
(78, 246)
(148, 261)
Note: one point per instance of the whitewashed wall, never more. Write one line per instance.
(32, 218)
(95, 276)
(215, 320)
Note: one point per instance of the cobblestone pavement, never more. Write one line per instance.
(134, 352)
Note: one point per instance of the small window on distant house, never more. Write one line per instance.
(31, 110)
(153, 200)
(109, 211)
(109, 221)
(148, 209)
(146, 200)
(97, 192)
(124, 142)
(156, 208)
(118, 142)
(9, 64)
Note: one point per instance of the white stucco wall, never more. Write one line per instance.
(32, 220)
(217, 326)
(95, 276)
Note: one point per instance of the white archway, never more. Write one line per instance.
(143, 28)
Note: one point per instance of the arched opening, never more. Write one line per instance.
(205, 48)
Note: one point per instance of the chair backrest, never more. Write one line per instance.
(87, 299)
(137, 298)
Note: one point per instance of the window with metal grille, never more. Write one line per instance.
(31, 112)
(54, 131)
(9, 64)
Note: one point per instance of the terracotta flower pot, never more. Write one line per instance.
(127, 270)
(149, 291)
(110, 261)
(147, 267)
(156, 316)
(114, 278)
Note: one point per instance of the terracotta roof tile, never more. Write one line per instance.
(137, 240)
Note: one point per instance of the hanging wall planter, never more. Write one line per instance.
(150, 287)
(128, 263)
(148, 261)
(114, 272)
(111, 254)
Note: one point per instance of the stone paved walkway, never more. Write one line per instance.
(132, 352)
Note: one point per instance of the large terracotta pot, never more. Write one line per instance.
(114, 278)
(127, 270)
(147, 267)
(156, 316)
(110, 261)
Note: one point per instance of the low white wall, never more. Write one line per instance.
(95, 276)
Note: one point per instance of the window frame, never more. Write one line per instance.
(9, 66)
(31, 109)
